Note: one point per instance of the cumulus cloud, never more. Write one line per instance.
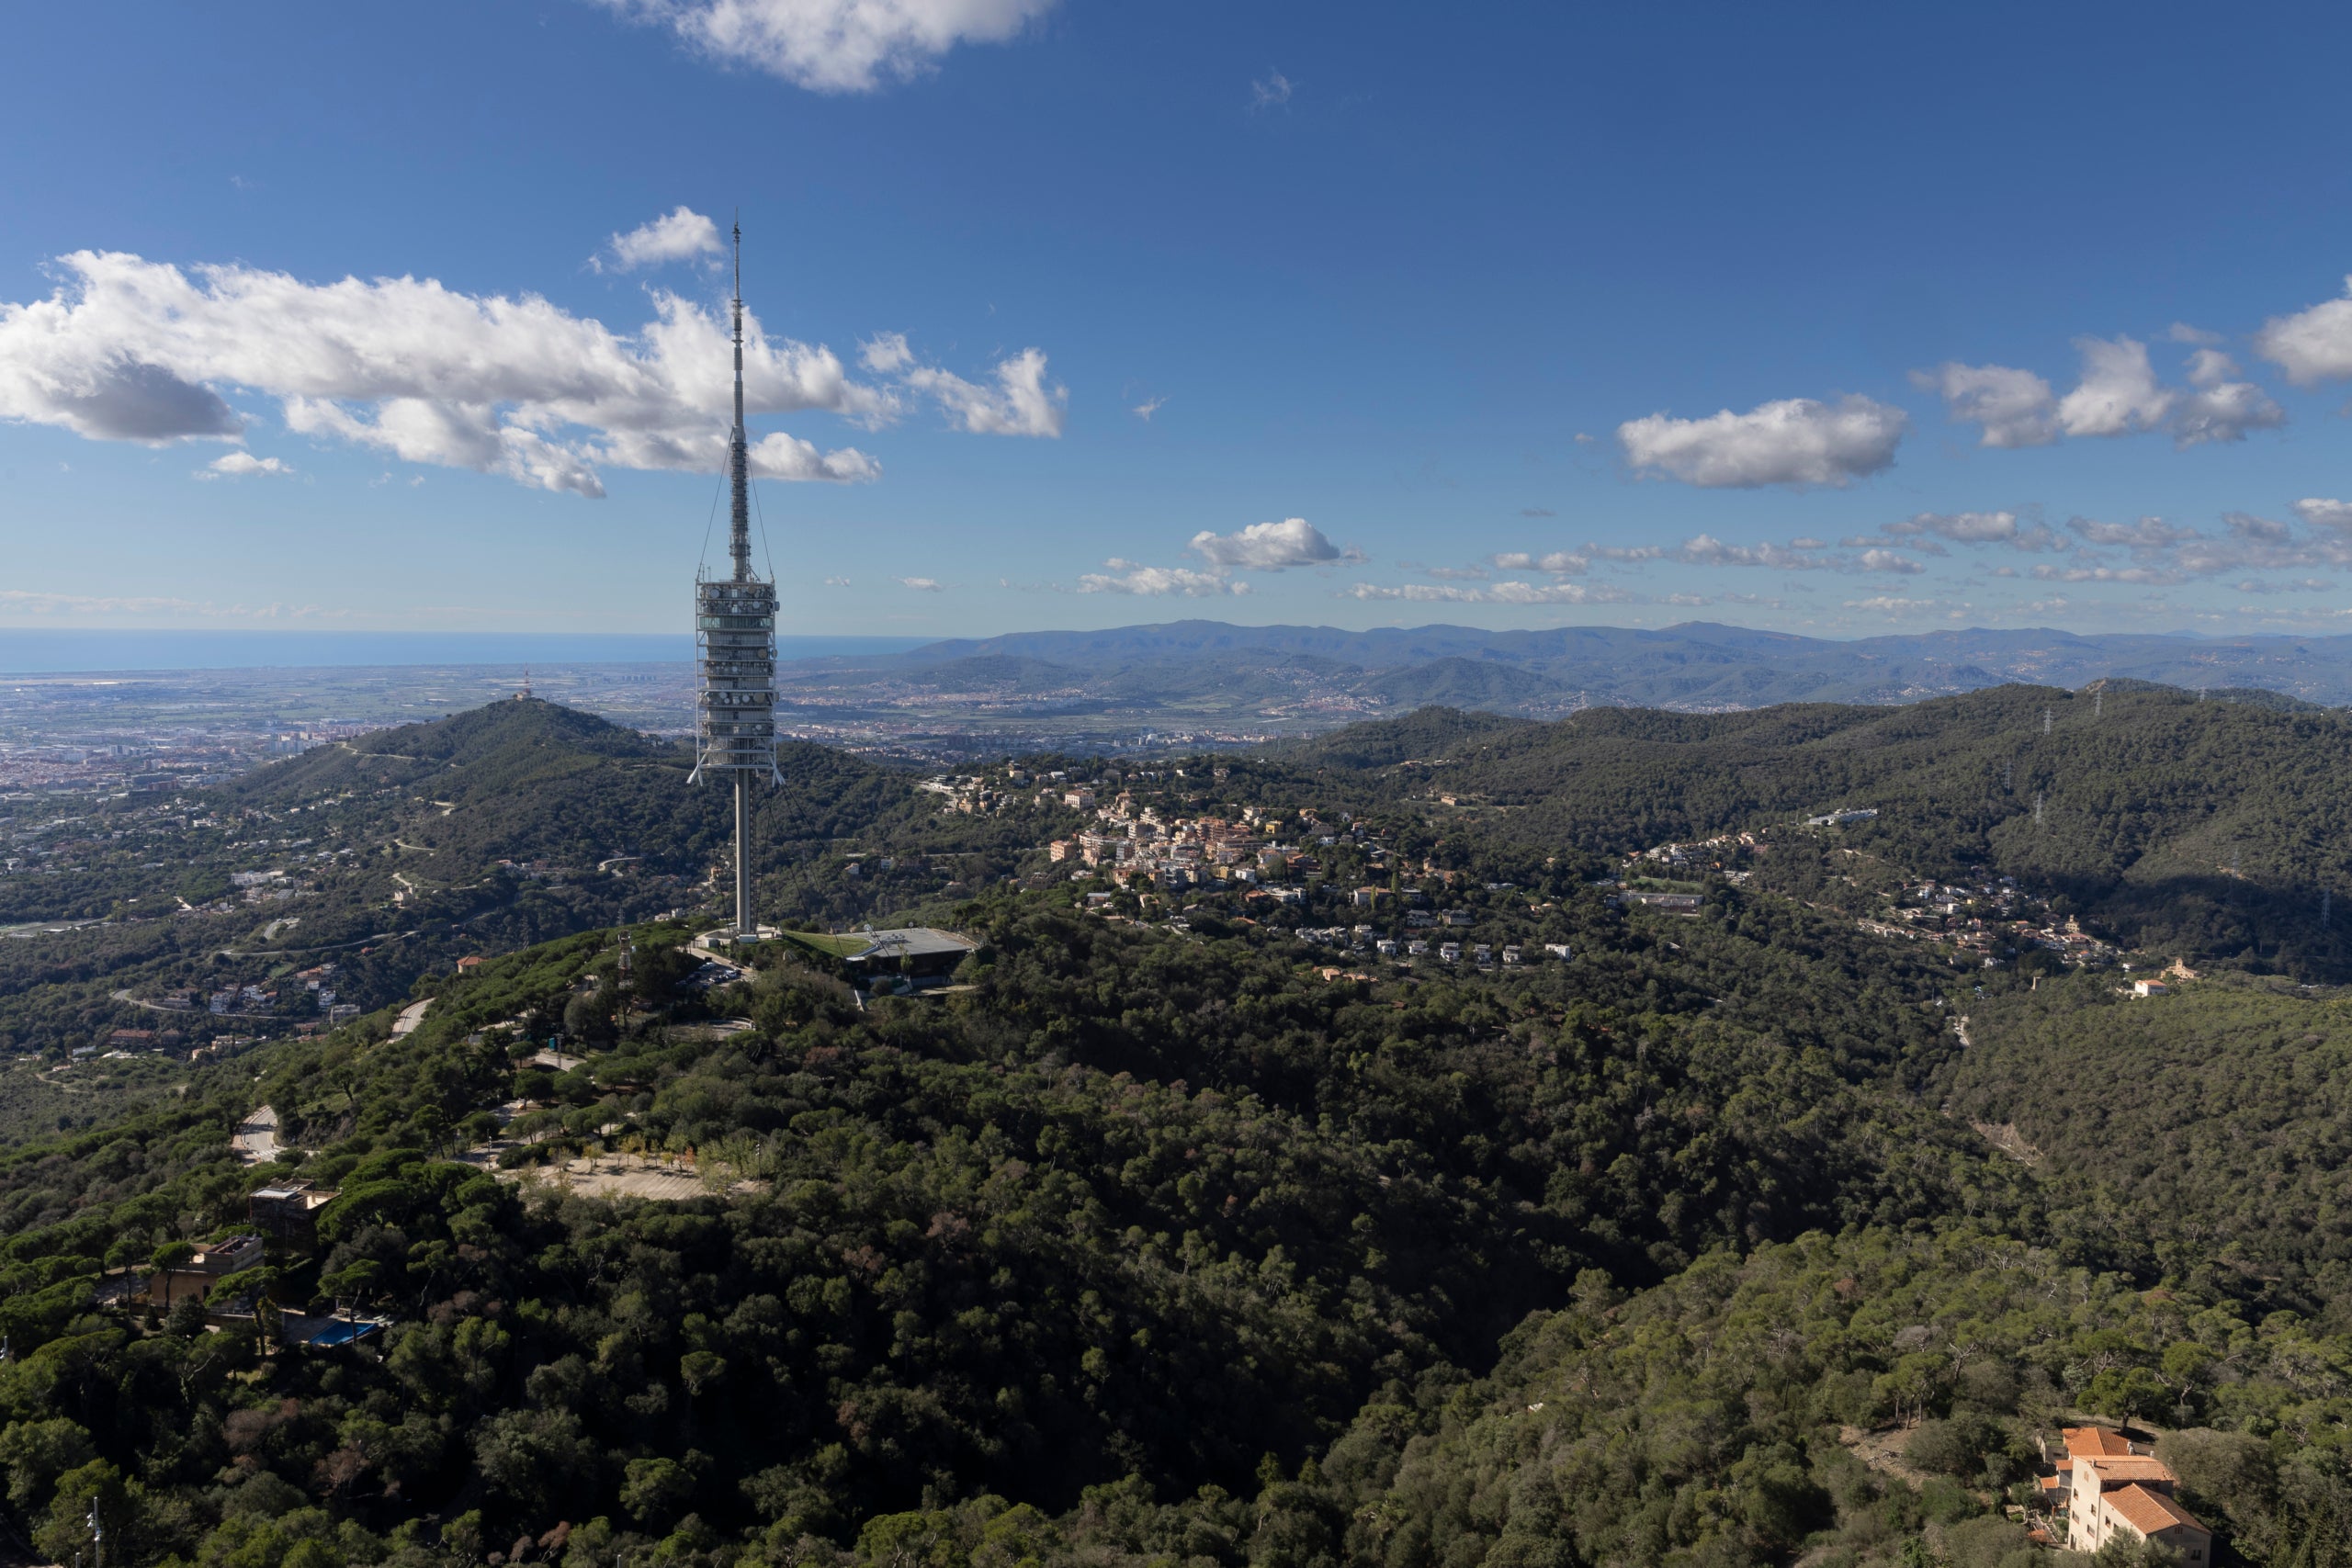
(923, 584)
(1159, 581)
(1973, 528)
(1560, 563)
(1890, 605)
(242, 465)
(129, 349)
(2312, 345)
(2118, 393)
(676, 236)
(2014, 406)
(2320, 512)
(2147, 533)
(1795, 440)
(1706, 549)
(2219, 408)
(1271, 546)
(2163, 552)
(835, 46)
(2140, 574)
(1023, 401)
(1495, 594)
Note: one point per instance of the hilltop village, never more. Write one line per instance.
(1283, 863)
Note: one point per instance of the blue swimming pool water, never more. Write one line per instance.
(343, 1333)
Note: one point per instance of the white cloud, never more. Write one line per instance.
(242, 465)
(2181, 332)
(1886, 604)
(1706, 549)
(837, 582)
(2311, 345)
(1795, 441)
(925, 584)
(2320, 512)
(2220, 409)
(835, 46)
(2014, 406)
(681, 235)
(1560, 563)
(1271, 546)
(1974, 528)
(2147, 533)
(1146, 409)
(2303, 585)
(1159, 581)
(1496, 593)
(2118, 393)
(128, 349)
(1270, 91)
(1022, 403)
(2140, 574)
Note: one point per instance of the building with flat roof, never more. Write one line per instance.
(918, 951)
(289, 1211)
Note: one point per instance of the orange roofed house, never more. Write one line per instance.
(2117, 1492)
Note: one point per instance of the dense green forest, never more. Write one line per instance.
(1752, 1236)
(2212, 828)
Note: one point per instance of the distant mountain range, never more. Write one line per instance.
(1290, 679)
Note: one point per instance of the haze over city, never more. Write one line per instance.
(1073, 315)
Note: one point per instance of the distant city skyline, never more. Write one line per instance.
(1075, 315)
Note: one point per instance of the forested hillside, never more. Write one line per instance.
(2210, 826)
(412, 847)
(1757, 1234)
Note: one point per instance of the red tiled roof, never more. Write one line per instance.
(2149, 1512)
(2135, 1467)
(2095, 1442)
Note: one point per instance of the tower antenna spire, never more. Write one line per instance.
(735, 636)
(739, 445)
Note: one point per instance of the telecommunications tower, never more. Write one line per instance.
(735, 645)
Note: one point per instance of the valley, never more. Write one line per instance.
(1804, 1173)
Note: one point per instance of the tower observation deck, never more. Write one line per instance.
(735, 650)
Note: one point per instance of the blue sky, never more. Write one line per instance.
(1836, 318)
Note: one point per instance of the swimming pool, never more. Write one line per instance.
(344, 1333)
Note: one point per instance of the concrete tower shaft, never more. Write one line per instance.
(735, 641)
